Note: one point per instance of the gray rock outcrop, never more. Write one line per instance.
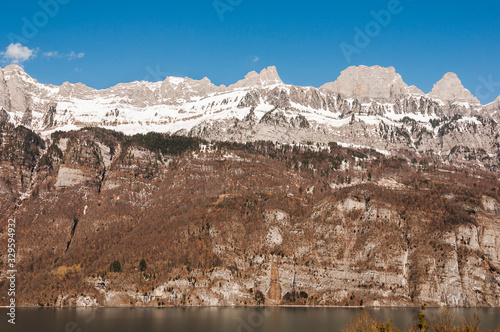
(450, 89)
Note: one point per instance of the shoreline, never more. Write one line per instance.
(249, 306)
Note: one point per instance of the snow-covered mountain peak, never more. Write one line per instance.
(173, 80)
(17, 73)
(14, 69)
(450, 89)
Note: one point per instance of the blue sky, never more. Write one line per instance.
(102, 43)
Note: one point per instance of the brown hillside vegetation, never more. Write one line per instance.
(344, 226)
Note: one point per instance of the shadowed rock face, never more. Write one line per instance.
(4, 96)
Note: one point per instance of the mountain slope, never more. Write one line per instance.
(219, 224)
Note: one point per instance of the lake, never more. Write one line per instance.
(247, 319)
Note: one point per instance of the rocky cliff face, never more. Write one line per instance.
(267, 77)
(236, 224)
(371, 83)
(450, 89)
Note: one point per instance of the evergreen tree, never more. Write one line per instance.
(115, 266)
(142, 265)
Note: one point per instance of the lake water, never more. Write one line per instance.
(216, 319)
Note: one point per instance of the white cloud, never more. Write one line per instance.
(255, 59)
(74, 55)
(69, 56)
(17, 53)
(53, 54)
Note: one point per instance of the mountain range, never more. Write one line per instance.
(364, 106)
